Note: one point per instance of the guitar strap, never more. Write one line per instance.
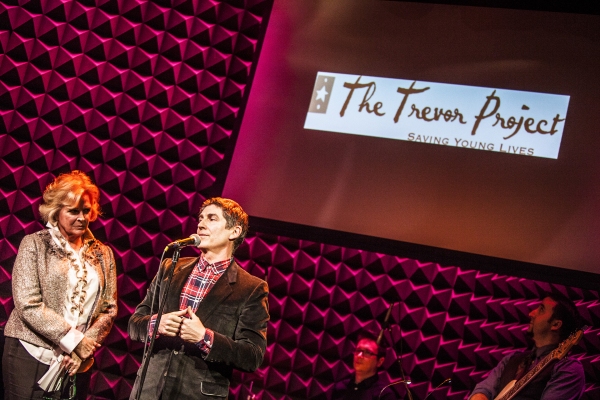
(525, 364)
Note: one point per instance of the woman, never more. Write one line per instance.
(65, 294)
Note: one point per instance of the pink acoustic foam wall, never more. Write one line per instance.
(144, 96)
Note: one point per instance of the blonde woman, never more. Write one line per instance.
(65, 294)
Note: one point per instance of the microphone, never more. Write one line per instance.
(193, 240)
(447, 380)
(405, 381)
(386, 324)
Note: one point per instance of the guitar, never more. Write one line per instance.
(513, 387)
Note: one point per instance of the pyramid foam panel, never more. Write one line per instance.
(141, 95)
(144, 96)
(447, 322)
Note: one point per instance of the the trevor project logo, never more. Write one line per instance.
(470, 117)
(321, 94)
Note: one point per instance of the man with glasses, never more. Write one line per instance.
(364, 384)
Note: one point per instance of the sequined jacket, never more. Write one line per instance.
(39, 284)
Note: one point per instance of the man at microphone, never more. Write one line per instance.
(215, 316)
(364, 384)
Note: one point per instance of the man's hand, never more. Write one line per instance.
(192, 329)
(479, 396)
(171, 322)
(85, 349)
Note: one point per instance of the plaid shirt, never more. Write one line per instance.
(201, 280)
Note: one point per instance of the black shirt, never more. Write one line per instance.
(368, 389)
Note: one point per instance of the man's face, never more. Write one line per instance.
(365, 357)
(211, 228)
(540, 319)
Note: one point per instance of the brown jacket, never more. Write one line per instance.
(236, 309)
(39, 283)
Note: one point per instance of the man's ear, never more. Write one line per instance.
(380, 361)
(235, 232)
(555, 325)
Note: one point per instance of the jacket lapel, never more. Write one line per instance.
(221, 291)
(94, 257)
(182, 271)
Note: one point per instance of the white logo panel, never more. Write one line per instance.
(492, 119)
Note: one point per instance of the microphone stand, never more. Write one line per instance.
(405, 381)
(161, 307)
(250, 395)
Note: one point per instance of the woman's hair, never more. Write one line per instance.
(67, 189)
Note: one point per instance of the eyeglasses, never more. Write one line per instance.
(365, 353)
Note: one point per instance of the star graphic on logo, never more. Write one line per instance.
(321, 93)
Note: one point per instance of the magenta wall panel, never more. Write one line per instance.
(144, 96)
(452, 322)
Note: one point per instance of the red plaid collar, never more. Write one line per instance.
(217, 267)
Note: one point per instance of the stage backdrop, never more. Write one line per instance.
(145, 97)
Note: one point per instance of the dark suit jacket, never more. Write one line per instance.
(236, 309)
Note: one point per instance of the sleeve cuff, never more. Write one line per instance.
(151, 325)
(71, 340)
(206, 344)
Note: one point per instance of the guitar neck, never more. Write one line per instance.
(556, 354)
(529, 376)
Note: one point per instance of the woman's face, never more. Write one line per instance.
(73, 219)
